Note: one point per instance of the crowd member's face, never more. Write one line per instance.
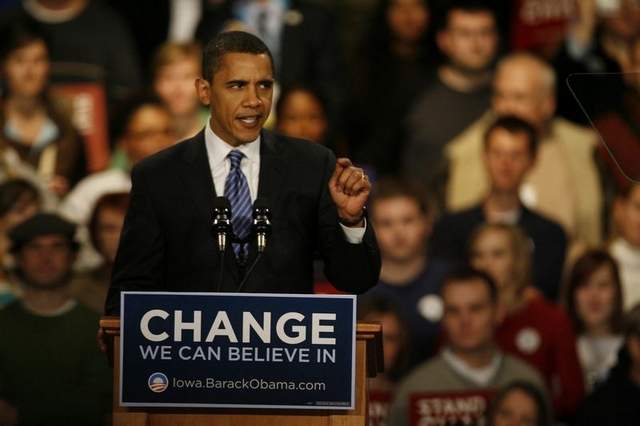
(492, 253)
(470, 40)
(629, 217)
(149, 131)
(391, 337)
(516, 409)
(27, 69)
(469, 315)
(109, 227)
(407, 19)
(401, 228)
(519, 90)
(303, 117)
(508, 159)
(240, 96)
(46, 261)
(595, 300)
(174, 85)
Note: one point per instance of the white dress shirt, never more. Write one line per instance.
(217, 151)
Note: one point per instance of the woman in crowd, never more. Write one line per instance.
(175, 68)
(301, 113)
(532, 329)
(616, 401)
(625, 245)
(105, 226)
(594, 303)
(519, 404)
(31, 124)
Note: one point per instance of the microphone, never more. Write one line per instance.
(221, 221)
(262, 230)
(261, 223)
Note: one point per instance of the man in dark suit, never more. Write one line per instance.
(509, 153)
(317, 202)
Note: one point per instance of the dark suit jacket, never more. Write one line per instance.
(167, 243)
(452, 232)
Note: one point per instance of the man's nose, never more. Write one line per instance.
(252, 98)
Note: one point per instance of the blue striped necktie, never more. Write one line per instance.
(236, 189)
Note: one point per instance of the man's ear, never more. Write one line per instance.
(202, 89)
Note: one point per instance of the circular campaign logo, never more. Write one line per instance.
(158, 382)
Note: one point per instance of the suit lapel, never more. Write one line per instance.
(197, 174)
(272, 168)
(198, 180)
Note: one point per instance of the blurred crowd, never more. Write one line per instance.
(503, 139)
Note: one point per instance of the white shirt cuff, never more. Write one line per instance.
(354, 235)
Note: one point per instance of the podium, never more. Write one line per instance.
(369, 362)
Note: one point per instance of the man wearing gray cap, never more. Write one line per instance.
(51, 371)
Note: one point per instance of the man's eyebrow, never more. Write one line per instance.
(236, 81)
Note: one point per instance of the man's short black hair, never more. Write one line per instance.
(468, 6)
(231, 42)
(393, 187)
(466, 273)
(513, 124)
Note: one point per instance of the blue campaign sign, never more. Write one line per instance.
(237, 350)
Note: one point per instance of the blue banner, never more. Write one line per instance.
(237, 350)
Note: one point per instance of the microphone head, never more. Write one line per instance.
(261, 208)
(261, 215)
(221, 203)
(221, 208)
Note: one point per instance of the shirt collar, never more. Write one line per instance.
(480, 376)
(217, 149)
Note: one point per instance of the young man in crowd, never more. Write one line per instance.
(470, 365)
(51, 371)
(510, 146)
(409, 277)
(468, 39)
